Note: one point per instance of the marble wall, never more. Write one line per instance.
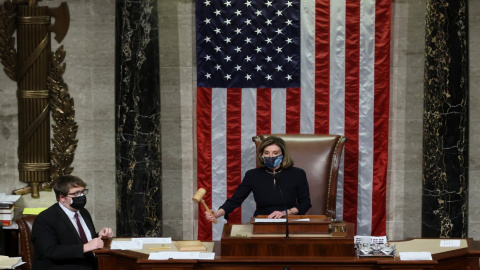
(90, 75)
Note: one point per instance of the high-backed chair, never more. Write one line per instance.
(26, 246)
(319, 155)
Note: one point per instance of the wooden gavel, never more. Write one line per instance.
(198, 197)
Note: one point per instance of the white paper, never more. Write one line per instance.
(153, 240)
(416, 256)
(449, 243)
(195, 255)
(126, 245)
(300, 219)
(7, 198)
(269, 220)
(360, 239)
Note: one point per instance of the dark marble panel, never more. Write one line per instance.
(137, 108)
(445, 127)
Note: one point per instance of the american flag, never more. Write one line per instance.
(291, 66)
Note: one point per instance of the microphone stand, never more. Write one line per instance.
(284, 205)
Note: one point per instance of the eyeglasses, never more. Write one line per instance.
(78, 193)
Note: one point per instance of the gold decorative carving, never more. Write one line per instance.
(65, 128)
(8, 54)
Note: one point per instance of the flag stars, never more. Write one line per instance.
(238, 49)
(279, 13)
(278, 49)
(228, 58)
(207, 39)
(288, 40)
(207, 3)
(248, 3)
(289, 59)
(207, 21)
(288, 22)
(278, 68)
(268, 3)
(238, 31)
(289, 4)
(218, 67)
(248, 40)
(217, 12)
(258, 13)
(228, 40)
(258, 31)
(248, 58)
(268, 77)
(228, 77)
(217, 49)
(258, 68)
(208, 75)
(208, 57)
(288, 77)
(238, 13)
(228, 3)
(248, 21)
(228, 21)
(279, 31)
(258, 49)
(268, 59)
(268, 22)
(238, 67)
(268, 40)
(217, 30)
(248, 77)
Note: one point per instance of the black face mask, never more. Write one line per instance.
(79, 202)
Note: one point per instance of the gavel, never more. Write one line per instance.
(198, 197)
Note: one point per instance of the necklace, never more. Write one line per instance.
(273, 172)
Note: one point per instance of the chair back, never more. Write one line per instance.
(26, 246)
(319, 156)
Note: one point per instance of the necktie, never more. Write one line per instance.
(80, 229)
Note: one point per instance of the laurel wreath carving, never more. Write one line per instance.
(63, 113)
(8, 54)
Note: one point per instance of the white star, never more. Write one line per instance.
(207, 21)
(228, 58)
(289, 22)
(268, 22)
(258, 31)
(289, 59)
(248, 3)
(289, 4)
(278, 49)
(248, 40)
(217, 67)
(248, 21)
(289, 40)
(228, 21)
(268, 40)
(288, 77)
(207, 3)
(238, 13)
(238, 31)
(269, 59)
(269, 3)
(228, 76)
(238, 49)
(258, 49)
(207, 39)
(217, 30)
(238, 67)
(217, 12)
(248, 77)
(258, 68)
(279, 31)
(268, 77)
(228, 40)
(217, 49)
(278, 68)
(279, 13)
(248, 58)
(207, 57)
(258, 13)
(208, 75)
(228, 3)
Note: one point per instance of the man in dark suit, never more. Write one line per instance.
(63, 235)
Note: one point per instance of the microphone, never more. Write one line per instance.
(277, 184)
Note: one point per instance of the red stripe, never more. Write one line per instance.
(264, 111)
(293, 111)
(204, 161)
(352, 84)
(234, 145)
(322, 66)
(381, 114)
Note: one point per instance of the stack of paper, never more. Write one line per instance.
(7, 209)
(10, 262)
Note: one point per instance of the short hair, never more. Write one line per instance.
(287, 159)
(65, 182)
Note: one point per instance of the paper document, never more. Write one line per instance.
(269, 220)
(153, 240)
(10, 262)
(300, 219)
(450, 243)
(182, 255)
(33, 211)
(7, 198)
(126, 245)
(415, 256)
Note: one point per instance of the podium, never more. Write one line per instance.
(319, 236)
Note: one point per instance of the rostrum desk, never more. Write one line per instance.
(273, 252)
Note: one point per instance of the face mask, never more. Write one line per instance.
(272, 162)
(79, 202)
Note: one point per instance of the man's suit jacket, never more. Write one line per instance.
(56, 242)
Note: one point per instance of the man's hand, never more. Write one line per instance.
(105, 233)
(95, 243)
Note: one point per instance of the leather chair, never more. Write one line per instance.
(319, 155)
(26, 246)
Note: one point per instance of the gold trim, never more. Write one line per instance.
(34, 20)
(33, 94)
(34, 167)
